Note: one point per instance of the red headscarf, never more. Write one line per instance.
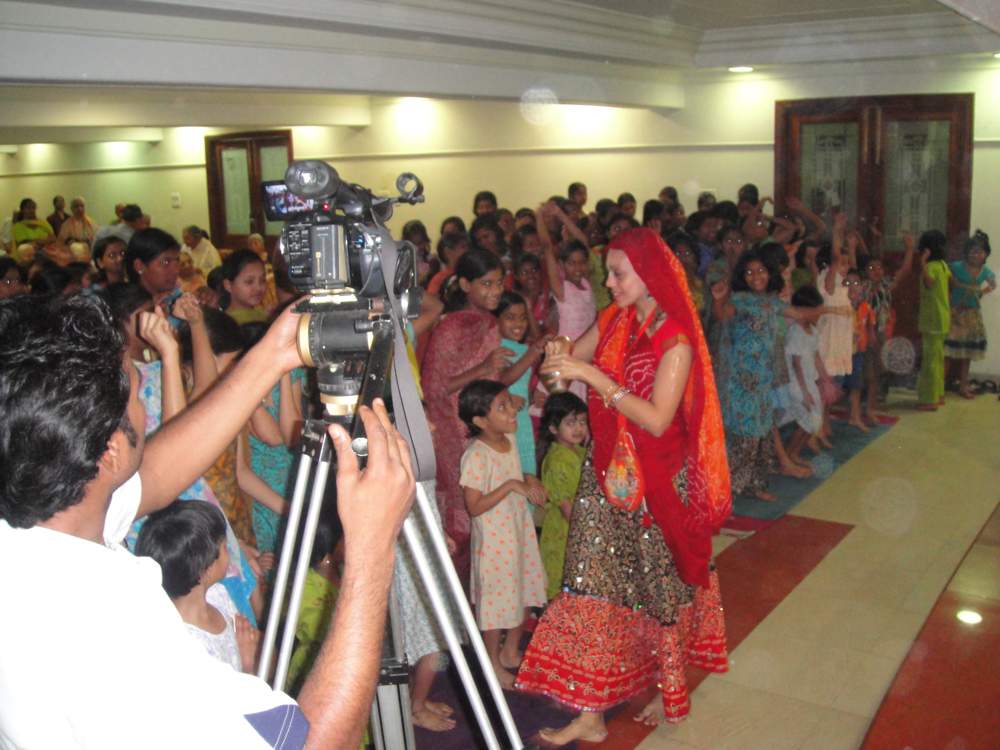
(708, 497)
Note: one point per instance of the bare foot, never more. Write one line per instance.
(859, 424)
(441, 709)
(652, 714)
(505, 677)
(427, 719)
(803, 464)
(764, 495)
(580, 728)
(967, 394)
(813, 444)
(511, 661)
(825, 443)
(792, 469)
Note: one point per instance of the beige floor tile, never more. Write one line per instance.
(721, 542)
(725, 716)
(829, 621)
(837, 731)
(896, 637)
(862, 694)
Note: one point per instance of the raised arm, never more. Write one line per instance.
(202, 358)
(837, 250)
(154, 328)
(909, 246)
(817, 225)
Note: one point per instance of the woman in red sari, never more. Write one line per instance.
(640, 599)
(464, 346)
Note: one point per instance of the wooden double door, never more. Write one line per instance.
(894, 164)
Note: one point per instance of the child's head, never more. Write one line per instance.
(528, 274)
(188, 540)
(526, 241)
(224, 335)
(573, 257)
(512, 316)
(487, 235)
(626, 204)
(824, 259)
(752, 275)
(478, 282)
(730, 240)
(874, 271)
(451, 247)
(935, 241)
(564, 420)
(244, 280)
(807, 296)
(806, 254)
(977, 248)
(524, 217)
(453, 225)
(414, 231)
(684, 248)
(486, 406)
(853, 282)
(126, 302)
(484, 203)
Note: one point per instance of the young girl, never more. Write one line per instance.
(933, 319)
(507, 573)
(450, 248)
(687, 253)
(864, 332)
(561, 439)
(512, 320)
(966, 340)
(188, 541)
(806, 367)
(529, 283)
(245, 283)
(836, 330)
(464, 346)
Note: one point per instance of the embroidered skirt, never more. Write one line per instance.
(624, 620)
(966, 338)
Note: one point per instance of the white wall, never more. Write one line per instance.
(721, 139)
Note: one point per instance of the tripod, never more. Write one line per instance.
(391, 723)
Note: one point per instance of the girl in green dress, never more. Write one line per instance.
(561, 439)
(934, 319)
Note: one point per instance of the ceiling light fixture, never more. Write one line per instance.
(996, 55)
(741, 69)
(969, 616)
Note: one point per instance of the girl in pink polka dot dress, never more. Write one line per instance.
(507, 573)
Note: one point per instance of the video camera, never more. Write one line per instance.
(335, 245)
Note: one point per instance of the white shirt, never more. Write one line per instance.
(204, 256)
(221, 646)
(93, 654)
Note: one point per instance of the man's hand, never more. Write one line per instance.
(373, 503)
(280, 341)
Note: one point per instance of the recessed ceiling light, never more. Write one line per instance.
(969, 616)
(996, 55)
(741, 69)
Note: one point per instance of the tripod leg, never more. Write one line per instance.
(457, 598)
(284, 566)
(302, 564)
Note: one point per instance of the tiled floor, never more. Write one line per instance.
(814, 672)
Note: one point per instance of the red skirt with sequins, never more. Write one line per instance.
(590, 654)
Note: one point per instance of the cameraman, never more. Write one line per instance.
(92, 652)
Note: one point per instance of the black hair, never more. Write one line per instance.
(525, 212)
(232, 267)
(124, 299)
(216, 276)
(739, 280)
(484, 195)
(807, 296)
(475, 400)
(517, 240)
(79, 271)
(824, 256)
(749, 193)
(604, 208)
(147, 245)
(450, 241)
(670, 192)
(652, 209)
(800, 254)
(706, 200)
(50, 280)
(573, 246)
(619, 216)
(694, 222)
(677, 239)
(24, 203)
(131, 212)
(488, 222)
(63, 394)
(473, 265)
(526, 259)
(196, 231)
(727, 211)
(574, 187)
(456, 220)
(504, 212)
(184, 538)
(415, 227)
(557, 407)
(100, 248)
(775, 256)
(935, 241)
(224, 334)
(507, 300)
(626, 198)
(727, 229)
(978, 239)
(7, 263)
(253, 332)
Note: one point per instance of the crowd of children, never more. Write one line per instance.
(798, 313)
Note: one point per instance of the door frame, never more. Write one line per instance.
(216, 201)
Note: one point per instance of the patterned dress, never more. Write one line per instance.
(460, 341)
(835, 331)
(626, 620)
(746, 373)
(967, 335)
(507, 574)
(525, 432)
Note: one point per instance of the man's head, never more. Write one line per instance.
(70, 409)
(132, 215)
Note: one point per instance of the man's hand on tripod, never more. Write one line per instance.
(280, 340)
(373, 503)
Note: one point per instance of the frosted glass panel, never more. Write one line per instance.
(916, 178)
(236, 188)
(829, 167)
(273, 163)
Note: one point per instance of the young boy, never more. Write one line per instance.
(188, 541)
